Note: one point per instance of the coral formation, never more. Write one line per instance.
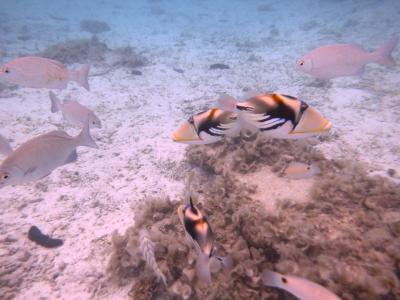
(94, 26)
(345, 237)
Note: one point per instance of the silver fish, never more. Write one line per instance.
(74, 112)
(207, 127)
(40, 72)
(39, 156)
(277, 115)
(199, 232)
(5, 147)
(300, 287)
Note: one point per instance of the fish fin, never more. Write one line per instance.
(84, 138)
(270, 278)
(71, 158)
(80, 75)
(55, 102)
(250, 94)
(30, 170)
(226, 102)
(203, 268)
(383, 55)
(226, 261)
(5, 147)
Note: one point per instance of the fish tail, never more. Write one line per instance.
(203, 268)
(227, 103)
(84, 138)
(383, 55)
(55, 102)
(5, 147)
(80, 75)
(270, 278)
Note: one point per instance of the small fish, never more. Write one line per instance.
(207, 127)
(35, 235)
(74, 112)
(5, 147)
(339, 60)
(39, 72)
(199, 232)
(277, 115)
(298, 170)
(39, 156)
(297, 286)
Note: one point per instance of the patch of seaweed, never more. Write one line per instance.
(346, 237)
(250, 152)
(94, 51)
(77, 51)
(127, 57)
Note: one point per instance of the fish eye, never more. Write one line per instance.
(284, 280)
(5, 176)
(7, 71)
(301, 62)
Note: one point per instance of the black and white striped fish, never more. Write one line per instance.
(199, 232)
(277, 115)
(207, 127)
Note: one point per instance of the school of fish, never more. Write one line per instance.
(272, 114)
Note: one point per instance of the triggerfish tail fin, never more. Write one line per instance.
(55, 102)
(80, 75)
(84, 138)
(383, 55)
(203, 268)
(226, 102)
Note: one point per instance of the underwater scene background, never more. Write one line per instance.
(156, 63)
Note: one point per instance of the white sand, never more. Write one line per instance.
(84, 202)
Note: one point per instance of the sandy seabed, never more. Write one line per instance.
(84, 202)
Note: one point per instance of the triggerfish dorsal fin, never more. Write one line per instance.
(226, 103)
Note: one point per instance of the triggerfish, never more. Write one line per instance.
(199, 232)
(278, 116)
(207, 127)
(297, 286)
(338, 60)
(39, 72)
(74, 112)
(39, 156)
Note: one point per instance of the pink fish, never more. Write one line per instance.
(39, 72)
(339, 60)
